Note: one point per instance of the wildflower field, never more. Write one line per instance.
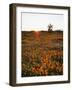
(41, 53)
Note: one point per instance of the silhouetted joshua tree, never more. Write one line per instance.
(50, 27)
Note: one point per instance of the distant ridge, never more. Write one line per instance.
(58, 30)
(45, 31)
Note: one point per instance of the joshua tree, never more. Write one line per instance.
(50, 27)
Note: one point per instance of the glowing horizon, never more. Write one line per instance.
(40, 22)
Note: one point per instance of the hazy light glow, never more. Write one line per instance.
(40, 22)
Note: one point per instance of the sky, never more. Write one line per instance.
(40, 21)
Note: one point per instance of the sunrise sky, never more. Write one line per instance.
(38, 22)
